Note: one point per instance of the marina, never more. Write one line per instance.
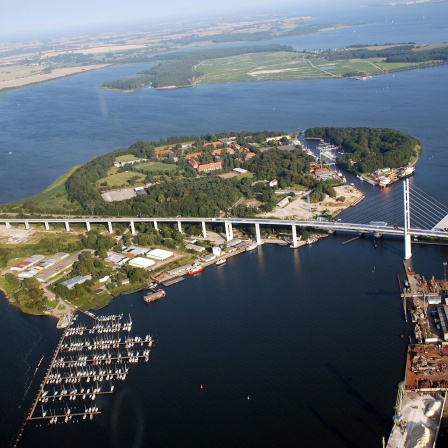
(87, 363)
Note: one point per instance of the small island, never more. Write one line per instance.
(242, 174)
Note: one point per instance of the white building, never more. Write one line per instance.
(140, 262)
(216, 250)
(159, 254)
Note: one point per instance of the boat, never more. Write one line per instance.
(252, 246)
(406, 172)
(221, 262)
(154, 295)
(311, 240)
(196, 269)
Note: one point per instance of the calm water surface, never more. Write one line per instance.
(312, 337)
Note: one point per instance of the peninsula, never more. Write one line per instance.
(215, 176)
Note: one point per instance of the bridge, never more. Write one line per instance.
(406, 230)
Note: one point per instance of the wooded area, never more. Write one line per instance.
(368, 149)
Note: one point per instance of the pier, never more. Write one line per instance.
(85, 364)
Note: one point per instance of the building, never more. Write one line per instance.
(194, 247)
(179, 270)
(273, 183)
(233, 242)
(159, 254)
(239, 170)
(208, 258)
(72, 282)
(140, 262)
(193, 163)
(114, 258)
(210, 167)
(135, 251)
(217, 152)
(249, 155)
(162, 153)
(128, 162)
(283, 202)
(140, 191)
(193, 155)
(216, 250)
(27, 263)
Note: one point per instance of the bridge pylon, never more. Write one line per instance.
(407, 221)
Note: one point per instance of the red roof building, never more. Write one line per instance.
(210, 167)
(193, 155)
(162, 153)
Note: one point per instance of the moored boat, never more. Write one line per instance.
(152, 296)
(252, 246)
(221, 262)
(196, 269)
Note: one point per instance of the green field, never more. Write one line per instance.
(292, 65)
(115, 179)
(156, 167)
(125, 158)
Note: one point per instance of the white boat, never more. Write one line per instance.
(252, 246)
(221, 262)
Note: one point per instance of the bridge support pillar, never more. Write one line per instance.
(258, 234)
(47, 226)
(27, 225)
(67, 226)
(204, 230)
(109, 226)
(407, 221)
(407, 247)
(8, 225)
(132, 228)
(88, 226)
(156, 225)
(179, 227)
(295, 243)
(229, 231)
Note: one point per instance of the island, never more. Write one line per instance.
(242, 175)
(279, 62)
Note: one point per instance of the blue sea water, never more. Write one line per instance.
(311, 336)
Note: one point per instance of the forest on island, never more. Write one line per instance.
(369, 149)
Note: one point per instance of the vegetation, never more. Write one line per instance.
(369, 149)
(276, 62)
(178, 69)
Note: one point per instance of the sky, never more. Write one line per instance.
(29, 18)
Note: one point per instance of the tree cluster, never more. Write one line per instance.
(369, 149)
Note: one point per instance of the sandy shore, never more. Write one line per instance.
(56, 73)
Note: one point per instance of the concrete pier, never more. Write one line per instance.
(67, 226)
(109, 226)
(204, 230)
(132, 227)
(88, 226)
(47, 226)
(179, 226)
(258, 233)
